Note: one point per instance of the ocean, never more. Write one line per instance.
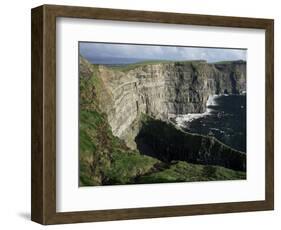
(225, 119)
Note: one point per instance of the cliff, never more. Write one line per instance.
(161, 90)
(105, 159)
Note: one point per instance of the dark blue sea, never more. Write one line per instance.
(225, 119)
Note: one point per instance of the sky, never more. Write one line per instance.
(112, 53)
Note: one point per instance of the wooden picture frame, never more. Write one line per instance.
(43, 208)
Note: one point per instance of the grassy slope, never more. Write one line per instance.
(180, 171)
(105, 159)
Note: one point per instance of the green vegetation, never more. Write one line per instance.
(180, 171)
(104, 158)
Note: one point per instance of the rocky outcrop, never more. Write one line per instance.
(162, 89)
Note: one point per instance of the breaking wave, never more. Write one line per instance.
(182, 119)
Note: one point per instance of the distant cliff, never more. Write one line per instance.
(162, 89)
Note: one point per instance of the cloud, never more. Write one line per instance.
(96, 52)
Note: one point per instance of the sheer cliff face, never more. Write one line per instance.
(162, 90)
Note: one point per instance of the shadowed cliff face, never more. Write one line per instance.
(165, 142)
(160, 90)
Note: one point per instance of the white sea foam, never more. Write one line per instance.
(182, 119)
(211, 100)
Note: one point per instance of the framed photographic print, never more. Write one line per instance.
(140, 114)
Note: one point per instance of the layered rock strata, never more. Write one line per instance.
(164, 89)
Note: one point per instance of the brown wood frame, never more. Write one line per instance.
(43, 189)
